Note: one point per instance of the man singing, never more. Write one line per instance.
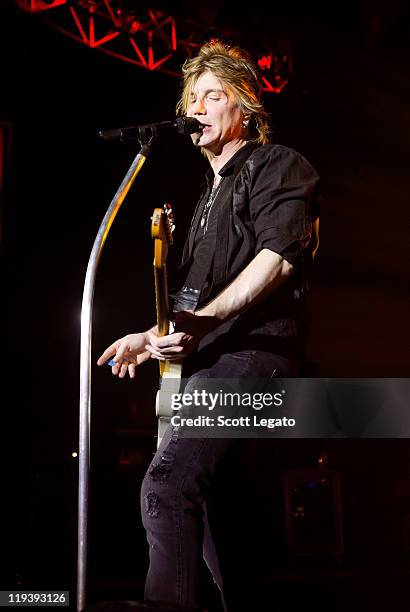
(239, 309)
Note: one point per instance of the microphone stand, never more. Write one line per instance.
(145, 140)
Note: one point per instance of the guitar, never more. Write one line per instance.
(162, 227)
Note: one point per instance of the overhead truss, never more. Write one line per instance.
(144, 36)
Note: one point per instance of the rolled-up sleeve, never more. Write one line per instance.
(283, 202)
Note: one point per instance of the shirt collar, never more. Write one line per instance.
(229, 167)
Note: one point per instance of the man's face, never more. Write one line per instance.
(215, 106)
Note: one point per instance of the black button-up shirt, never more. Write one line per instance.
(268, 198)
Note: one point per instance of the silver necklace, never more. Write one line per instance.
(208, 206)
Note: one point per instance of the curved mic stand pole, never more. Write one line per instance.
(85, 367)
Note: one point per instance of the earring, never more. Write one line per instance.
(245, 123)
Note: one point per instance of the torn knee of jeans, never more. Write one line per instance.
(151, 501)
(175, 432)
(160, 471)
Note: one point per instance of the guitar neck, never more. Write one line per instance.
(161, 299)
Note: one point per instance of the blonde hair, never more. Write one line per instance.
(234, 67)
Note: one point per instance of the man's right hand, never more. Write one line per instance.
(127, 352)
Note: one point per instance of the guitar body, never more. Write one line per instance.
(170, 371)
(170, 383)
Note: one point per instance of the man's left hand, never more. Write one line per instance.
(189, 331)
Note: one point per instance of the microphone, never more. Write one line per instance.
(180, 125)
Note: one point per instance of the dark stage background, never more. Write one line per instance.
(347, 109)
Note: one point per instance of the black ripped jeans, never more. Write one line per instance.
(199, 500)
